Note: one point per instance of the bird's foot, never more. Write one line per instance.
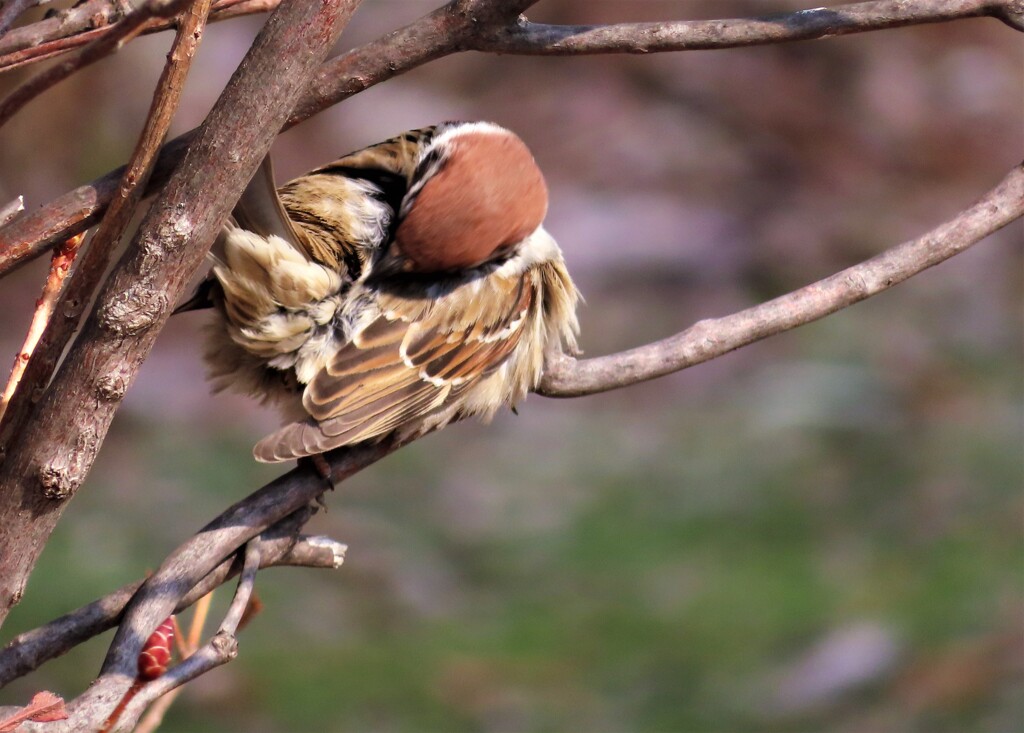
(323, 470)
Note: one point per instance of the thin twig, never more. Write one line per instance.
(221, 649)
(186, 648)
(96, 260)
(109, 43)
(61, 25)
(195, 631)
(687, 35)
(82, 24)
(61, 262)
(567, 377)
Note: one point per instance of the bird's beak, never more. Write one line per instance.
(391, 263)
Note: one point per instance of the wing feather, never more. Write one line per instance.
(408, 363)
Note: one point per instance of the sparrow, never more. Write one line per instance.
(401, 287)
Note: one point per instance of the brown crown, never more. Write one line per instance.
(489, 195)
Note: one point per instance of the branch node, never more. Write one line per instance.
(225, 644)
(134, 312)
(111, 387)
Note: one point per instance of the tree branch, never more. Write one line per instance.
(94, 263)
(461, 25)
(10, 11)
(76, 26)
(120, 34)
(802, 25)
(221, 649)
(53, 454)
(711, 338)
(280, 545)
(187, 565)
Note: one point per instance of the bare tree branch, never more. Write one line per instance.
(76, 26)
(705, 340)
(120, 34)
(221, 649)
(459, 26)
(179, 573)
(47, 464)
(279, 546)
(640, 38)
(94, 263)
(67, 22)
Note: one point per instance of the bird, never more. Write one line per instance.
(390, 292)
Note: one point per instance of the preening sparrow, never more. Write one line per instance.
(395, 289)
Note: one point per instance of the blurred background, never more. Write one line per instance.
(819, 532)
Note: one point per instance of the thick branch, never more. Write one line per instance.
(52, 456)
(89, 270)
(567, 377)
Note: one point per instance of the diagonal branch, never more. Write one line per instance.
(89, 271)
(280, 545)
(188, 564)
(221, 649)
(711, 338)
(10, 11)
(48, 463)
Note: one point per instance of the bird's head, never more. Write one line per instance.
(476, 194)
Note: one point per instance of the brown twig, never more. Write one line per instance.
(63, 25)
(459, 26)
(59, 266)
(222, 648)
(187, 646)
(126, 29)
(221, 538)
(75, 27)
(280, 547)
(567, 377)
(96, 260)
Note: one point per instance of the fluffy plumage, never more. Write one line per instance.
(392, 290)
